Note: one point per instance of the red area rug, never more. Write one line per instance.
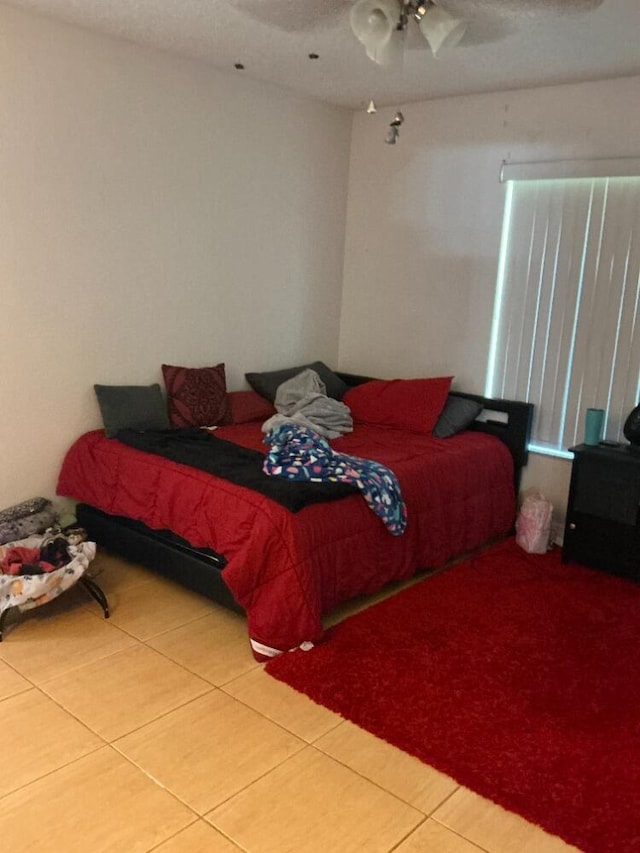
(513, 673)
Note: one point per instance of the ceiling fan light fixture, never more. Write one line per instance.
(440, 29)
(375, 24)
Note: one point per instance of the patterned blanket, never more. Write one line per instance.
(299, 453)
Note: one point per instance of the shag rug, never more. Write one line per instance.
(516, 674)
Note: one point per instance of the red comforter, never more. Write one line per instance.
(287, 569)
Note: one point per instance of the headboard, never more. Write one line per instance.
(508, 420)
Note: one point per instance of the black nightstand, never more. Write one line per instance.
(603, 525)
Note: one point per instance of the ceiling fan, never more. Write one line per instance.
(387, 27)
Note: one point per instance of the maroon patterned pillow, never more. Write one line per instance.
(196, 396)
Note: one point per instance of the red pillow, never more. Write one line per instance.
(196, 396)
(411, 404)
(246, 406)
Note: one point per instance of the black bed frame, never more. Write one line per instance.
(201, 569)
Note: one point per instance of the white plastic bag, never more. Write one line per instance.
(533, 524)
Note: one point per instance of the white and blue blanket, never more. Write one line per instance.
(299, 453)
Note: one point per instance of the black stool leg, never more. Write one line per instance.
(3, 617)
(95, 592)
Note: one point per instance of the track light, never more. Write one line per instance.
(394, 129)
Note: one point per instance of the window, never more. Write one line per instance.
(566, 333)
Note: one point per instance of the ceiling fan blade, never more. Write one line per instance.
(494, 20)
(292, 15)
(508, 8)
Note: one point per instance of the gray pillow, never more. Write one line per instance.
(266, 384)
(458, 414)
(131, 407)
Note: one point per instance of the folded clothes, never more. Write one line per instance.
(24, 561)
(53, 551)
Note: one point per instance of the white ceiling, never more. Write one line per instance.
(531, 43)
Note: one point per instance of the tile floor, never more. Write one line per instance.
(156, 730)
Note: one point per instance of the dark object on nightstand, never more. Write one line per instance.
(631, 427)
(603, 519)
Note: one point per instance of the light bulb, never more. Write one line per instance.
(378, 25)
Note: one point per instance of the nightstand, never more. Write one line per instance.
(603, 525)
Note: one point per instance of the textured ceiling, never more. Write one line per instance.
(509, 44)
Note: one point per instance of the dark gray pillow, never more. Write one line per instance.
(458, 414)
(131, 407)
(266, 384)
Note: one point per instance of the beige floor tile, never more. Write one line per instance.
(98, 803)
(292, 710)
(156, 606)
(493, 828)
(115, 695)
(208, 750)
(43, 648)
(10, 682)
(431, 837)
(200, 837)
(403, 775)
(116, 574)
(38, 737)
(312, 803)
(215, 647)
(71, 600)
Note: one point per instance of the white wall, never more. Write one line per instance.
(424, 222)
(152, 210)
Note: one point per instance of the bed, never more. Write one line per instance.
(285, 569)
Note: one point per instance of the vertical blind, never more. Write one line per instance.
(566, 334)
